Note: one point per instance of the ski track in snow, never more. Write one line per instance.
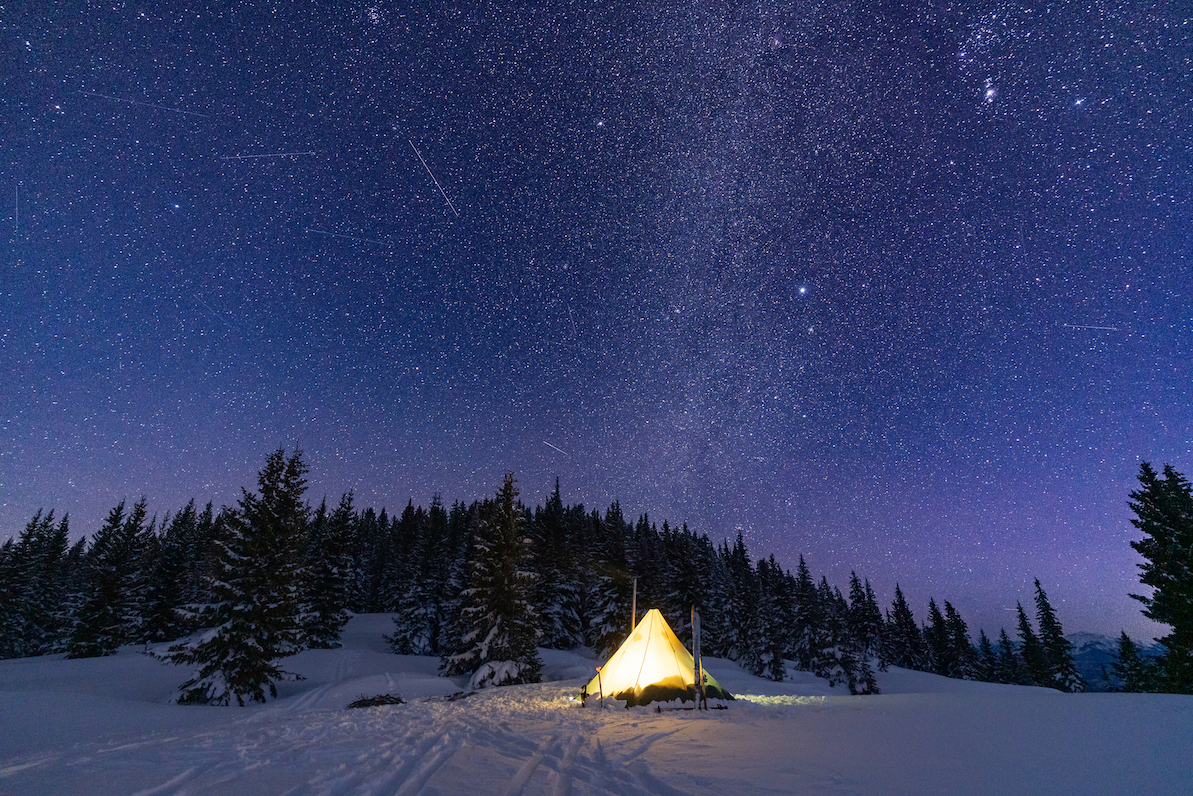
(535, 740)
(383, 751)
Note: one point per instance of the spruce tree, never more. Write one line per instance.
(745, 630)
(1010, 665)
(863, 625)
(987, 659)
(325, 610)
(420, 615)
(807, 624)
(557, 590)
(902, 640)
(963, 660)
(877, 627)
(835, 658)
(613, 585)
(1035, 660)
(1133, 673)
(1058, 652)
(497, 626)
(775, 619)
(255, 587)
(939, 649)
(43, 603)
(109, 611)
(164, 604)
(11, 590)
(1163, 509)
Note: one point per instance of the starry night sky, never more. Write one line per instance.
(905, 288)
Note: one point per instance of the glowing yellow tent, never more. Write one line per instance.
(651, 666)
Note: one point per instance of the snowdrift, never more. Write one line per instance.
(103, 726)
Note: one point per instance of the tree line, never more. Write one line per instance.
(1163, 509)
(479, 585)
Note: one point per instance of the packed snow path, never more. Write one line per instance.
(99, 727)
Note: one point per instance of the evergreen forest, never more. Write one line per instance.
(482, 585)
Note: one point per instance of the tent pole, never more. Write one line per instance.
(698, 674)
(634, 607)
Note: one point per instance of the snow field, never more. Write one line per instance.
(103, 726)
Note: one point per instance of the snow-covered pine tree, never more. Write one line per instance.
(146, 557)
(744, 630)
(1031, 651)
(864, 681)
(108, 612)
(864, 619)
(833, 657)
(1163, 509)
(203, 567)
(164, 618)
(583, 530)
(557, 590)
(609, 625)
(497, 624)
(1010, 663)
(400, 569)
(372, 547)
(256, 592)
(843, 662)
(963, 658)
(1058, 652)
(987, 659)
(33, 583)
(775, 619)
(716, 587)
(875, 621)
(419, 617)
(325, 609)
(806, 627)
(11, 590)
(936, 636)
(463, 527)
(903, 643)
(1132, 672)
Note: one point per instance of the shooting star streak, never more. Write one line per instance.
(348, 237)
(561, 450)
(1099, 328)
(145, 104)
(217, 315)
(271, 155)
(437, 185)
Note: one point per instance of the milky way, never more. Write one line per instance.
(905, 291)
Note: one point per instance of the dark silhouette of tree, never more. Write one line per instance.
(1058, 652)
(1035, 660)
(325, 610)
(1163, 509)
(1133, 673)
(256, 588)
(903, 642)
(109, 612)
(498, 624)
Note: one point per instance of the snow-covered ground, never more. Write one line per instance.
(103, 726)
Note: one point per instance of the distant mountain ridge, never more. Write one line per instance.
(1094, 653)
